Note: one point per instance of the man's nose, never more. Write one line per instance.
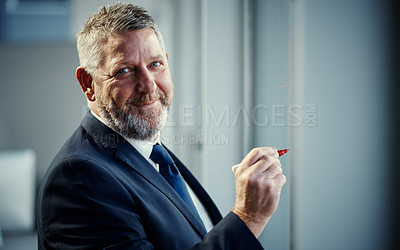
(146, 82)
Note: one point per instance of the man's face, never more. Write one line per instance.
(133, 86)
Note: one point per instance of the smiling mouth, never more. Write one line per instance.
(146, 104)
(147, 101)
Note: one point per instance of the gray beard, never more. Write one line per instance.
(144, 126)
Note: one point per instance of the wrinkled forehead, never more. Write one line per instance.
(131, 44)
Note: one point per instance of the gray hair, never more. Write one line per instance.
(109, 20)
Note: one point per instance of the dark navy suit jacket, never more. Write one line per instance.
(99, 192)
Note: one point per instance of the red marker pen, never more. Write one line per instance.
(282, 152)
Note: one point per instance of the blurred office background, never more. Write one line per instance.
(317, 76)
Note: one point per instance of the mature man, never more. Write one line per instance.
(113, 185)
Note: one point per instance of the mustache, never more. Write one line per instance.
(147, 98)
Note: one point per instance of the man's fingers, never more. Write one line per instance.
(280, 180)
(273, 171)
(262, 165)
(255, 154)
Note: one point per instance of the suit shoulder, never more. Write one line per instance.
(80, 149)
(79, 145)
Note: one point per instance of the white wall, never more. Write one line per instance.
(40, 100)
(343, 202)
(334, 57)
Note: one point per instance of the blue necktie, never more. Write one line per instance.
(171, 174)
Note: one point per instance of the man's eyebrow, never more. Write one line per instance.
(156, 57)
(125, 61)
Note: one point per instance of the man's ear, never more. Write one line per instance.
(166, 54)
(86, 82)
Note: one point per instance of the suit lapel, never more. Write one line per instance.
(127, 153)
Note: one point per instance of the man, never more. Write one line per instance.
(109, 187)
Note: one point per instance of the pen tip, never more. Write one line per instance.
(282, 152)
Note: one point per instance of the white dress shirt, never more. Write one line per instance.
(145, 148)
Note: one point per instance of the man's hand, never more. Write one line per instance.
(259, 181)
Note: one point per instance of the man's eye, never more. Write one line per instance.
(123, 71)
(155, 64)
